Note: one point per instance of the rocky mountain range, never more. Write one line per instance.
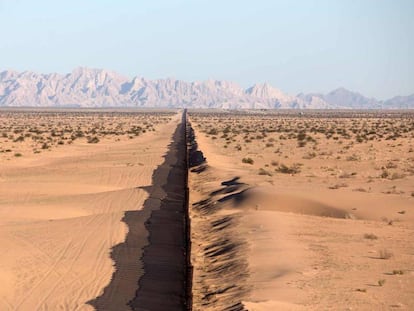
(85, 87)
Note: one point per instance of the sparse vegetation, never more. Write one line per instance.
(364, 155)
(248, 160)
(337, 186)
(285, 169)
(349, 145)
(370, 236)
(30, 131)
(262, 171)
(93, 140)
(381, 282)
(385, 254)
(362, 290)
(397, 272)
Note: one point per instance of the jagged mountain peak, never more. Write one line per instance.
(340, 89)
(265, 90)
(91, 87)
(342, 98)
(95, 72)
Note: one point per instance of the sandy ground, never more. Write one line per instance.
(60, 215)
(287, 213)
(154, 277)
(267, 240)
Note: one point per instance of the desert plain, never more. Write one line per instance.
(308, 210)
(289, 210)
(66, 180)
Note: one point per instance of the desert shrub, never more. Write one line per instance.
(93, 140)
(391, 165)
(385, 254)
(353, 158)
(262, 171)
(19, 139)
(362, 290)
(370, 236)
(309, 155)
(381, 282)
(301, 143)
(395, 272)
(248, 160)
(347, 175)
(360, 139)
(79, 134)
(301, 136)
(384, 174)
(284, 169)
(337, 186)
(360, 190)
(396, 176)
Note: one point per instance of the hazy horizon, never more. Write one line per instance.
(296, 46)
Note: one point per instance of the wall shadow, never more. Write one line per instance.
(150, 265)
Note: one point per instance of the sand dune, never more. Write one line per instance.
(284, 242)
(61, 215)
(266, 198)
(102, 226)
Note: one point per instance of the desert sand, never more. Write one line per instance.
(62, 209)
(289, 211)
(303, 212)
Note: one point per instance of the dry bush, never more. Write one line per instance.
(385, 254)
(337, 186)
(397, 272)
(247, 160)
(396, 175)
(370, 236)
(284, 169)
(262, 171)
(93, 140)
(381, 282)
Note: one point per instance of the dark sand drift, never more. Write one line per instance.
(156, 243)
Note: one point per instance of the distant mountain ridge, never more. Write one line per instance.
(85, 87)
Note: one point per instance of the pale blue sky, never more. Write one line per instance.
(297, 46)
